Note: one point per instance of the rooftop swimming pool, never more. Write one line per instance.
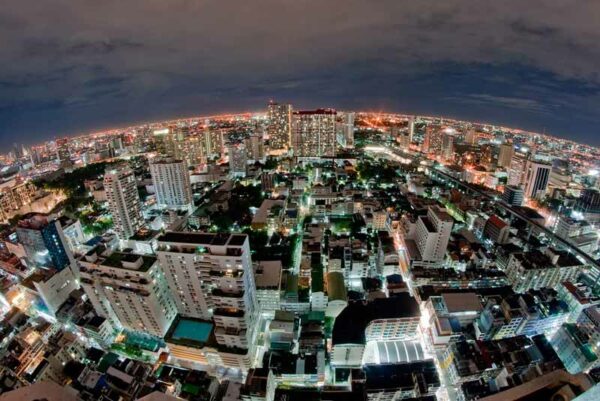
(192, 330)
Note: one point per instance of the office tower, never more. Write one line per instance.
(513, 196)
(471, 137)
(432, 235)
(536, 180)
(448, 147)
(516, 173)
(255, 146)
(128, 289)
(238, 159)
(279, 123)
(313, 133)
(411, 129)
(171, 181)
(44, 242)
(506, 154)
(210, 275)
(123, 200)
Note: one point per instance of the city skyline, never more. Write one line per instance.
(508, 64)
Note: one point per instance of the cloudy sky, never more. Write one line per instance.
(69, 67)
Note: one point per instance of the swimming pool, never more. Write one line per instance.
(192, 330)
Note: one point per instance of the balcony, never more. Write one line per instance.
(229, 312)
(227, 273)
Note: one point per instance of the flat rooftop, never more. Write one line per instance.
(218, 239)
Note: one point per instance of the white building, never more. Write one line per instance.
(172, 184)
(210, 275)
(432, 235)
(534, 270)
(123, 200)
(128, 289)
(536, 180)
(267, 276)
(52, 287)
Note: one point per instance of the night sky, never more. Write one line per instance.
(75, 66)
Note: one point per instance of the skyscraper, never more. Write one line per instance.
(210, 275)
(506, 154)
(536, 180)
(123, 200)
(171, 183)
(279, 121)
(313, 133)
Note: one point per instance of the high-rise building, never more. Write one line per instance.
(506, 154)
(238, 159)
(513, 196)
(313, 133)
(123, 200)
(44, 242)
(516, 173)
(471, 137)
(171, 183)
(411, 129)
(535, 270)
(589, 202)
(129, 290)
(448, 147)
(255, 146)
(432, 142)
(345, 129)
(560, 176)
(181, 144)
(536, 180)
(211, 276)
(279, 123)
(213, 142)
(432, 235)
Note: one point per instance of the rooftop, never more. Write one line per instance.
(218, 239)
(351, 323)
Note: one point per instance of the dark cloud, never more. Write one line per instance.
(68, 67)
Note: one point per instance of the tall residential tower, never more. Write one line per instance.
(123, 200)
